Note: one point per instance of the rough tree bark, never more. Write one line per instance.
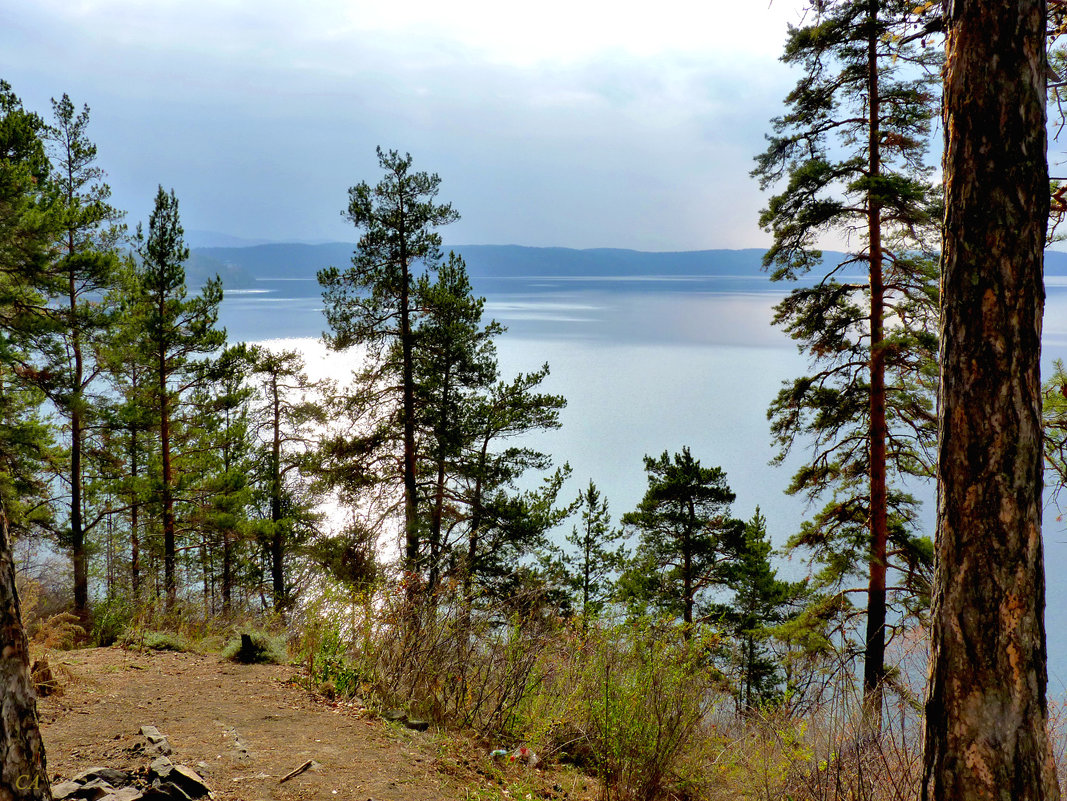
(23, 774)
(986, 735)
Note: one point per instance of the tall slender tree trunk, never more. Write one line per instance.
(227, 574)
(23, 773)
(277, 545)
(227, 535)
(587, 578)
(986, 714)
(688, 590)
(438, 512)
(411, 521)
(135, 508)
(170, 586)
(874, 650)
(475, 525)
(77, 533)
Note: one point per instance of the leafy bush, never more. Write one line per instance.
(330, 665)
(638, 703)
(165, 641)
(111, 617)
(649, 687)
(256, 647)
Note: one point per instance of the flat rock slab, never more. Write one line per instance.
(160, 768)
(124, 794)
(165, 791)
(189, 781)
(64, 790)
(94, 790)
(116, 777)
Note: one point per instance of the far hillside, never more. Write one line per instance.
(304, 261)
(241, 266)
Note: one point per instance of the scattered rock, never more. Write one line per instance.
(189, 781)
(64, 790)
(124, 794)
(109, 775)
(94, 790)
(160, 768)
(157, 742)
(394, 715)
(165, 791)
(169, 782)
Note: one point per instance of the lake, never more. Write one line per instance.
(649, 364)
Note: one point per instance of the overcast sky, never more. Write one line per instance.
(578, 123)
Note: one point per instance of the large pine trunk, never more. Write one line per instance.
(22, 761)
(986, 734)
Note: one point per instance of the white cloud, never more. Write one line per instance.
(582, 124)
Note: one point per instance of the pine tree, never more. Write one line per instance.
(82, 274)
(852, 149)
(760, 602)
(27, 229)
(429, 398)
(687, 539)
(223, 442)
(127, 419)
(454, 361)
(286, 410)
(176, 328)
(372, 303)
(597, 553)
(505, 525)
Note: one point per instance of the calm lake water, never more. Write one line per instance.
(649, 364)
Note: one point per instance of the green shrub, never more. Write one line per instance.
(329, 664)
(111, 617)
(648, 687)
(165, 641)
(256, 648)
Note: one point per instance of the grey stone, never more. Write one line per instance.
(109, 775)
(157, 742)
(124, 794)
(165, 791)
(152, 734)
(188, 780)
(64, 790)
(93, 790)
(160, 768)
(394, 715)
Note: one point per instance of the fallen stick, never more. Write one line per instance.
(296, 772)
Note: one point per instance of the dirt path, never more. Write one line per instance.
(248, 724)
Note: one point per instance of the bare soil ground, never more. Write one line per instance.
(246, 726)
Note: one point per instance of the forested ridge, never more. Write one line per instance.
(163, 486)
